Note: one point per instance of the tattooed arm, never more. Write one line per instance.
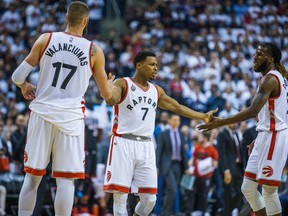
(105, 85)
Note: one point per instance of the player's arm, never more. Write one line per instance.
(167, 103)
(23, 70)
(98, 66)
(268, 87)
(119, 90)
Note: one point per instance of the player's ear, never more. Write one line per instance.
(270, 60)
(138, 65)
(85, 21)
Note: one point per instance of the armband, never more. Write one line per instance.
(20, 74)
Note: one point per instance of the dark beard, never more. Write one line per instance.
(261, 67)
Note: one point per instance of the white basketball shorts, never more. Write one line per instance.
(131, 167)
(44, 139)
(268, 157)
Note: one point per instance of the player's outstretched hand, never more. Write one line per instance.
(209, 115)
(214, 123)
(28, 91)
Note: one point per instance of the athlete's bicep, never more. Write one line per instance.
(33, 57)
(268, 85)
(99, 73)
(166, 102)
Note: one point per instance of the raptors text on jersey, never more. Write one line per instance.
(136, 112)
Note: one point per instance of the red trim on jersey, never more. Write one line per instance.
(269, 182)
(34, 171)
(68, 33)
(79, 175)
(126, 92)
(83, 107)
(148, 190)
(115, 123)
(90, 57)
(145, 90)
(157, 91)
(84, 136)
(111, 150)
(50, 36)
(271, 107)
(250, 175)
(114, 187)
(272, 145)
(279, 87)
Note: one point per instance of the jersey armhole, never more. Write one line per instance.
(157, 91)
(90, 57)
(275, 97)
(126, 92)
(50, 36)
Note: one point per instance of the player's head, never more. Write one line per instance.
(145, 62)
(266, 54)
(78, 15)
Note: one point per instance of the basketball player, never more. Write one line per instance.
(270, 150)
(131, 163)
(56, 125)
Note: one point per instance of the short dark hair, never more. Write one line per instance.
(76, 12)
(142, 55)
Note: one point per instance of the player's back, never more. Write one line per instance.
(65, 70)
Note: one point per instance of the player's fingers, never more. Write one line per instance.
(213, 111)
(201, 127)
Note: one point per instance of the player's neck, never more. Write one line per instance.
(139, 81)
(74, 31)
(269, 68)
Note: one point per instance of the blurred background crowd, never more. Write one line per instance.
(204, 50)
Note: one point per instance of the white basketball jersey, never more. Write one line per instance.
(136, 112)
(273, 115)
(65, 70)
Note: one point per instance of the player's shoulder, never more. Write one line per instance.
(45, 36)
(120, 82)
(96, 49)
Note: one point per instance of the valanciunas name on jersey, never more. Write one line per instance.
(142, 100)
(68, 48)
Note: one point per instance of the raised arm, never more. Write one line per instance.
(98, 66)
(268, 86)
(119, 91)
(167, 103)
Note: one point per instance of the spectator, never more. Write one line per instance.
(230, 168)
(18, 140)
(205, 160)
(171, 161)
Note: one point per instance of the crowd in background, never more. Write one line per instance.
(204, 50)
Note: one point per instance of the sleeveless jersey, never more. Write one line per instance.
(273, 115)
(65, 70)
(136, 112)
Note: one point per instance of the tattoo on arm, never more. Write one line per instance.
(94, 50)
